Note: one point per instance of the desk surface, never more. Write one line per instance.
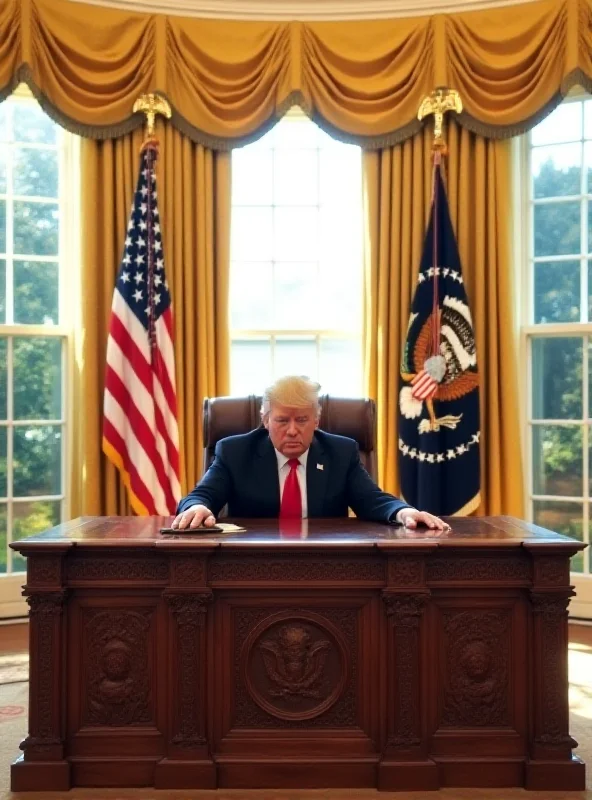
(499, 531)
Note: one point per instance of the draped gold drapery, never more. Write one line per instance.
(397, 190)
(194, 191)
(228, 80)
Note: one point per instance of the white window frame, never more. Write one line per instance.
(527, 331)
(12, 605)
(311, 334)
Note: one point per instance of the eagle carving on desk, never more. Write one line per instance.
(447, 374)
(294, 663)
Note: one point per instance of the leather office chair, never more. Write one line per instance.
(353, 417)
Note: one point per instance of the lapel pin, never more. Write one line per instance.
(319, 466)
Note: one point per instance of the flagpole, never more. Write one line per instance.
(440, 101)
(151, 104)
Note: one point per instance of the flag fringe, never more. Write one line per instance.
(117, 462)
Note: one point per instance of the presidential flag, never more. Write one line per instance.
(439, 382)
(140, 433)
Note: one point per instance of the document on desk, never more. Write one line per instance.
(219, 527)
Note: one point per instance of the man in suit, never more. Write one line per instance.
(291, 469)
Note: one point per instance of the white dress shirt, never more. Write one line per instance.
(284, 471)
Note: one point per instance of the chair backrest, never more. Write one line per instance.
(345, 416)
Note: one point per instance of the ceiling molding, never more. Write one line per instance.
(310, 10)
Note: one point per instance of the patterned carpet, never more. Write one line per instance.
(13, 725)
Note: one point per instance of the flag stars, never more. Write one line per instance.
(421, 455)
(143, 208)
(157, 246)
(157, 227)
(139, 260)
(157, 280)
(127, 259)
(138, 295)
(141, 242)
(144, 191)
(159, 263)
(450, 454)
(139, 278)
(461, 449)
(439, 458)
(128, 241)
(125, 277)
(156, 299)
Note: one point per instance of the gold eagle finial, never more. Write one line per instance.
(151, 105)
(438, 103)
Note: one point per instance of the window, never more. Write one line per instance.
(296, 260)
(558, 327)
(34, 159)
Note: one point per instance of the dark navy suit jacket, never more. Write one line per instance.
(244, 475)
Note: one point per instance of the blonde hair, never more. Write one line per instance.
(292, 390)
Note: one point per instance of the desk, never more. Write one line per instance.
(349, 654)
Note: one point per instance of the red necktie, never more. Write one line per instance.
(291, 506)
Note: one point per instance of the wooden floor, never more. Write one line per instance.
(14, 638)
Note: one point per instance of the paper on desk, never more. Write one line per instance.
(227, 527)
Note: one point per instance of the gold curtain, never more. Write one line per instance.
(194, 183)
(397, 189)
(227, 80)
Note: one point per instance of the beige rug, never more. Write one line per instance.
(14, 668)
(13, 727)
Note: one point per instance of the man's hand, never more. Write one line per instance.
(411, 518)
(194, 517)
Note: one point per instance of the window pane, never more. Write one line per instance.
(3, 544)
(2, 291)
(295, 234)
(340, 166)
(295, 357)
(251, 295)
(295, 177)
(557, 291)
(588, 165)
(251, 176)
(556, 171)
(251, 234)
(296, 296)
(37, 460)
(36, 292)
(557, 229)
(250, 366)
(3, 461)
(340, 367)
(557, 378)
(35, 172)
(566, 518)
(2, 226)
(557, 460)
(290, 132)
(3, 158)
(3, 122)
(30, 124)
(36, 228)
(37, 378)
(587, 119)
(562, 125)
(31, 518)
(3, 406)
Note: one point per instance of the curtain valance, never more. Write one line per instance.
(228, 81)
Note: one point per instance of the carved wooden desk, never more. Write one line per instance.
(350, 654)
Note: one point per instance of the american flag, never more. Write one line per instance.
(140, 433)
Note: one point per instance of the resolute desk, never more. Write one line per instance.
(345, 654)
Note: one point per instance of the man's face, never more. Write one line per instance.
(291, 428)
